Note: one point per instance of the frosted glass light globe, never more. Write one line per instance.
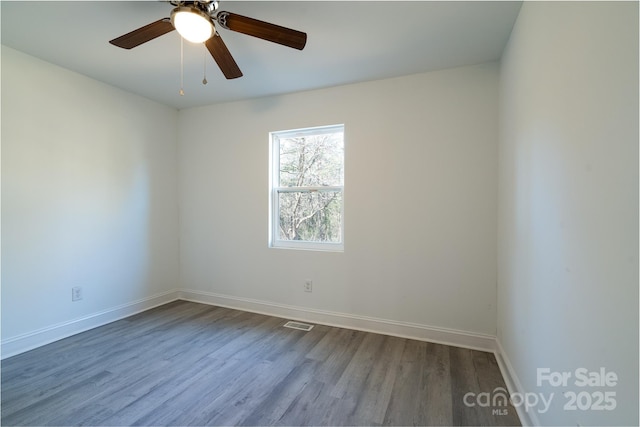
(192, 24)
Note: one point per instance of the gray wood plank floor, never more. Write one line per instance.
(193, 364)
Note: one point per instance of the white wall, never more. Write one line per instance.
(89, 196)
(420, 200)
(568, 194)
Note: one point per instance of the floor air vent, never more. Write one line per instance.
(298, 325)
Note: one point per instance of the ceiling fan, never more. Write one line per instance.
(194, 21)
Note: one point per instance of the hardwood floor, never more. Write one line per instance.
(193, 364)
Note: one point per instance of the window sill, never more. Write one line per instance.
(308, 246)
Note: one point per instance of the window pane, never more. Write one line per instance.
(312, 160)
(311, 216)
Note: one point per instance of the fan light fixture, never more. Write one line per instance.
(192, 24)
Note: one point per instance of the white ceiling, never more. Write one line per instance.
(347, 42)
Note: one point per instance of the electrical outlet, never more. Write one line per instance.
(76, 293)
(308, 286)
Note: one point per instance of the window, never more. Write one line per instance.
(307, 189)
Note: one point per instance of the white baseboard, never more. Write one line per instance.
(350, 321)
(25, 342)
(514, 385)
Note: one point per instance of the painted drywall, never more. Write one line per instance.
(420, 200)
(89, 196)
(568, 204)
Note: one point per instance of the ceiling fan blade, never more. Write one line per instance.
(223, 57)
(143, 34)
(264, 30)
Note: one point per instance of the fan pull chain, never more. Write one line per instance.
(204, 80)
(181, 66)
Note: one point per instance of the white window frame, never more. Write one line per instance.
(275, 189)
